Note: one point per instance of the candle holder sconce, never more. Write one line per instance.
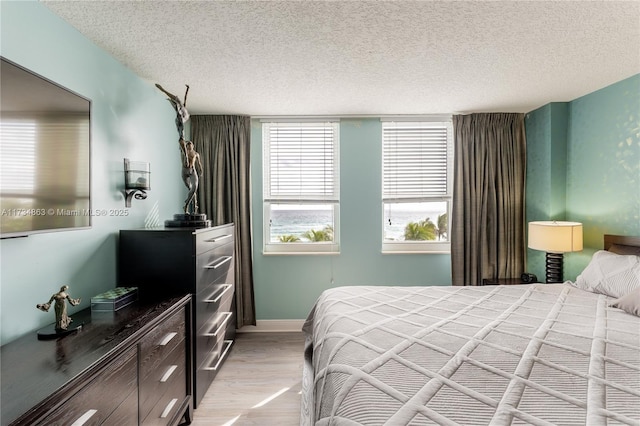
(137, 181)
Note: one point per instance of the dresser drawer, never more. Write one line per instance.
(164, 384)
(107, 399)
(209, 341)
(160, 342)
(208, 370)
(214, 264)
(215, 298)
(213, 238)
(165, 409)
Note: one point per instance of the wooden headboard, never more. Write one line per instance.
(622, 244)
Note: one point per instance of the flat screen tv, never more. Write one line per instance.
(45, 155)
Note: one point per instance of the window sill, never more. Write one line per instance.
(300, 253)
(416, 247)
(415, 252)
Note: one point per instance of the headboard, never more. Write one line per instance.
(622, 244)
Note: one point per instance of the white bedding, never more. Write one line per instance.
(526, 354)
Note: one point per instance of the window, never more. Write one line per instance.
(301, 187)
(416, 185)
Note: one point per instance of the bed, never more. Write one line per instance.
(536, 354)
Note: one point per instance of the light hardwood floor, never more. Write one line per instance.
(261, 366)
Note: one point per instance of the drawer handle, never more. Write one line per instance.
(221, 326)
(167, 339)
(221, 262)
(168, 408)
(224, 354)
(217, 239)
(83, 419)
(217, 299)
(168, 373)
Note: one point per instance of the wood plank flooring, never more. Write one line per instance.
(261, 366)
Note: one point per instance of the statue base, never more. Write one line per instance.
(188, 220)
(50, 332)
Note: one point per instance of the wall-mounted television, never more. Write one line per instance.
(45, 155)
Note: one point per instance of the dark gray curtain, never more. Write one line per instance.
(223, 142)
(488, 216)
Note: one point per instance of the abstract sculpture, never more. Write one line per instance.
(190, 160)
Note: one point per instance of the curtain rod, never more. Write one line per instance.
(383, 117)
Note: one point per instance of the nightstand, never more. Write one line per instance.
(503, 281)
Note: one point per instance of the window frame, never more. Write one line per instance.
(268, 198)
(413, 247)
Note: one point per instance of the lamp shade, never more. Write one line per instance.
(555, 237)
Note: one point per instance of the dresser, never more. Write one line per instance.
(131, 367)
(167, 261)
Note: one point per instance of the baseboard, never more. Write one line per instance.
(269, 326)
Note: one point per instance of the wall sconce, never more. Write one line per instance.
(555, 238)
(137, 176)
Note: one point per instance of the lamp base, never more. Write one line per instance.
(554, 267)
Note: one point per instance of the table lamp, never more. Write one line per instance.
(555, 238)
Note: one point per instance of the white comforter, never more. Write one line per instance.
(527, 354)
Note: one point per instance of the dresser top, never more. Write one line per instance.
(34, 369)
(193, 230)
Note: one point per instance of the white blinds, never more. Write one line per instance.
(301, 161)
(415, 160)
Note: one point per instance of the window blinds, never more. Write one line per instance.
(415, 160)
(301, 161)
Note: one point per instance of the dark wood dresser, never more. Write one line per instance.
(167, 261)
(131, 367)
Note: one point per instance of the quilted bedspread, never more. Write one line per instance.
(536, 354)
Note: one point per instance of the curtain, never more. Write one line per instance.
(488, 215)
(223, 143)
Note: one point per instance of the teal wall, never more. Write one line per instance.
(583, 165)
(130, 118)
(287, 285)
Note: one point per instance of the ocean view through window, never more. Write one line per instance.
(293, 223)
(299, 223)
(399, 216)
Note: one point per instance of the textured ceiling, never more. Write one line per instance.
(367, 57)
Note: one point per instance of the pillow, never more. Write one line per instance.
(612, 274)
(629, 303)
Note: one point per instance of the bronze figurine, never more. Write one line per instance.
(60, 298)
(190, 175)
(189, 155)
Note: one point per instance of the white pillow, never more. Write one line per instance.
(612, 274)
(629, 303)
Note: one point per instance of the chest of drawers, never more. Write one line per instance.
(167, 261)
(132, 367)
